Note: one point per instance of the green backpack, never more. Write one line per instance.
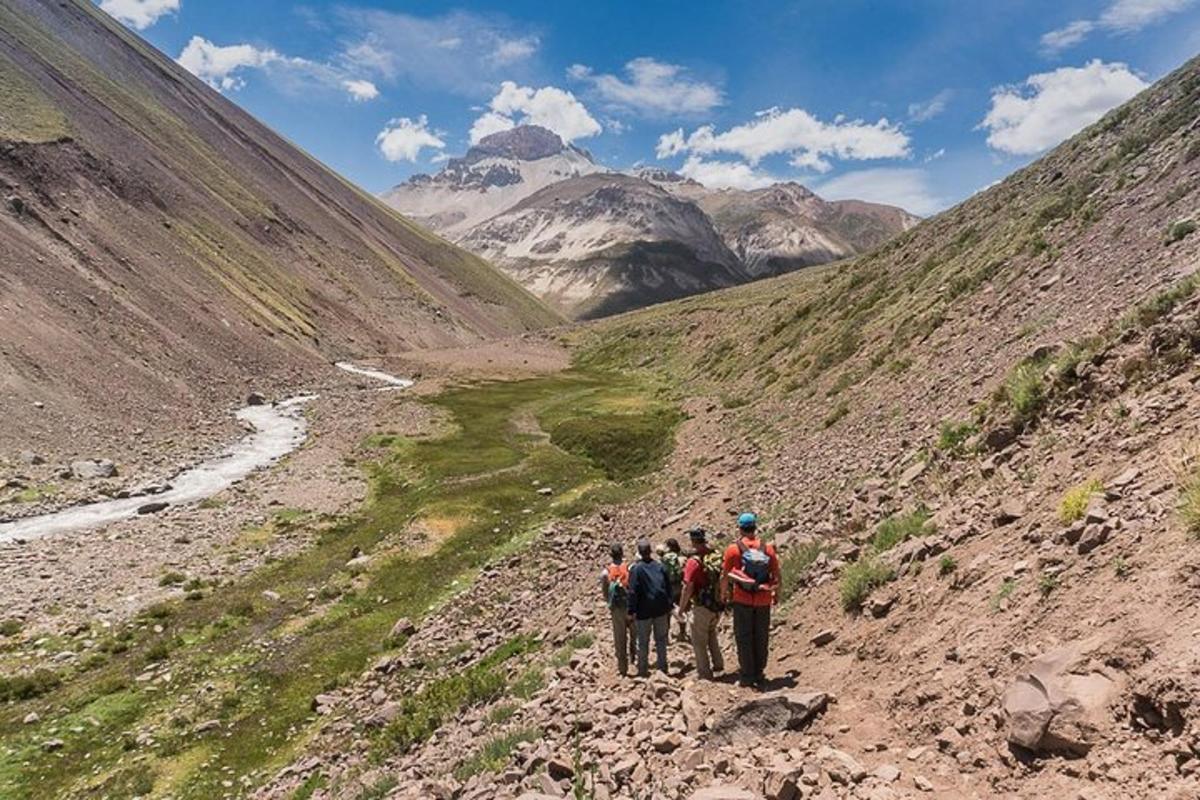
(709, 595)
(674, 569)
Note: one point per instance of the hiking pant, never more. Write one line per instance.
(623, 640)
(751, 632)
(704, 642)
(661, 626)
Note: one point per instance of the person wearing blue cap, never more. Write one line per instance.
(750, 578)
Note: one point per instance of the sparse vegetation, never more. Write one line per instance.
(860, 578)
(946, 565)
(840, 410)
(1189, 503)
(1024, 391)
(495, 753)
(28, 685)
(172, 579)
(10, 627)
(1181, 230)
(1121, 568)
(1007, 587)
(794, 563)
(953, 436)
(1075, 502)
(900, 527)
(1047, 584)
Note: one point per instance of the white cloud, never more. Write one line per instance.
(460, 51)
(1051, 106)
(508, 51)
(927, 110)
(652, 87)
(935, 155)
(807, 140)
(724, 174)
(361, 91)
(671, 144)
(140, 14)
(219, 66)
(1121, 16)
(905, 187)
(403, 139)
(549, 106)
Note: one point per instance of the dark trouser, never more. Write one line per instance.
(660, 627)
(751, 632)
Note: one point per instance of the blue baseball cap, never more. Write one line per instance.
(747, 521)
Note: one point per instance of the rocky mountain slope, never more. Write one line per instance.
(976, 448)
(164, 252)
(515, 197)
(604, 243)
(785, 226)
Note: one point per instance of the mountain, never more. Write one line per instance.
(152, 229)
(495, 174)
(785, 226)
(519, 195)
(605, 243)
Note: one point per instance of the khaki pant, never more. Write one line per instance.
(624, 642)
(705, 644)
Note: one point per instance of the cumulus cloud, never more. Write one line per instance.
(934, 106)
(652, 88)
(360, 91)
(221, 66)
(808, 141)
(140, 14)
(460, 52)
(549, 106)
(403, 139)
(905, 187)
(724, 174)
(1049, 107)
(1120, 16)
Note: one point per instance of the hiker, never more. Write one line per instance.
(701, 593)
(671, 557)
(750, 576)
(650, 606)
(614, 584)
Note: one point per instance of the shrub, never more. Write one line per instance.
(1048, 584)
(1007, 587)
(28, 685)
(1189, 504)
(1180, 230)
(1121, 568)
(499, 714)
(954, 435)
(839, 411)
(495, 753)
(10, 627)
(860, 578)
(899, 527)
(946, 565)
(794, 563)
(1075, 501)
(172, 579)
(1024, 391)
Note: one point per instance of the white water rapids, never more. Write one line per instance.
(278, 430)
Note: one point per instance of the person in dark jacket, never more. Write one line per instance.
(650, 606)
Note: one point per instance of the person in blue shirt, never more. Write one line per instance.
(650, 606)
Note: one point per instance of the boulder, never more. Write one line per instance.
(1060, 704)
(153, 507)
(255, 399)
(1010, 510)
(91, 468)
(788, 709)
(403, 627)
(1000, 437)
(31, 458)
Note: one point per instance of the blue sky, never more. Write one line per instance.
(920, 103)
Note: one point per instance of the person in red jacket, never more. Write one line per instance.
(750, 578)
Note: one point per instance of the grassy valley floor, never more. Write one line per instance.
(208, 695)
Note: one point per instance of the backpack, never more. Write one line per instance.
(618, 585)
(709, 595)
(756, 563)
(674, 569)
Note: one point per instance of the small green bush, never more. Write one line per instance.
(28, 685)
(1181, 230)
(1189, 504)
(172, 579)
(1121, 568)
(495, 753)
(898, 528)
(379, 789)
(794, 563)
(1047, 584)
(953, 436)
(1007, 587)
(10, 627)
(834, 416)
(1075, 501)
(1024, 391)
(946, 565)
(501, 713)
(859, 578)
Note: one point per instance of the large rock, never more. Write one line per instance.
(789, 709)
(1061, 704)
(88, 469)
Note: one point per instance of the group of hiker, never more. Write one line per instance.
(743, 578)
